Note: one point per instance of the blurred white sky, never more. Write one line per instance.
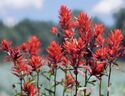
(107, 6)
(12, 11)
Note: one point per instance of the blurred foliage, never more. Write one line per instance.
(26, 28)
(119, 18)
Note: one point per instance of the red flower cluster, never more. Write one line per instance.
(35, 62)
(29, 89)
(99, 29)
(69, 80)
(26, 62)
(84, 42)
(21, 69)
(5, 45)
(114, 42)
(84, 23)
(31, 49)
(55, 54)
(65, 17)
(101, 53)
(97, 68)
(32, 46)
(83, 50)
(54, 30)
(15, 56)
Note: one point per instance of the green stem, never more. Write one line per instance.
(109, 77)
(64, 90)
(76, 88)
(21, 82)
(55, 82)
(38, 83)
(86, 81)
(100, 87)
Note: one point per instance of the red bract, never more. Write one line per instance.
(69, 80)
(84, 26)
(35, 62)
(24, 47)
(74, 51)
(114, 41)
(65, 61)
(81, 44)
(32, 46)
(21, 69)
(55, 51)
(115, 38)
(100, 41)
(29, 89)
(101, 54)
(71, 46)
(98, 68)
(69, 34)
(99, 29)
(65, 17)
(5, 45)
(54, 54)
(15, 55)
(54, 30)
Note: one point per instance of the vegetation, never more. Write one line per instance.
(82, 50)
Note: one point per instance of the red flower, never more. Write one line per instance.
(81, 43)
(65, 17)
(5, 45)
(32, 46)
(54, 30)
(100, 41)
(21, 69)
(14, 55)
(65, 61)
(68, 34)
(84, 22)
(98, 68)
(84, 27)
(35, 62)
(74, 46)
(24, 47)
(71, 46)
(29, 89)
(114, 41)
(101, 54)
(99, 29)
(54, 51)
(115, 38)
(69, 80)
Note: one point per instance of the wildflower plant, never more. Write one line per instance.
(82, 52)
